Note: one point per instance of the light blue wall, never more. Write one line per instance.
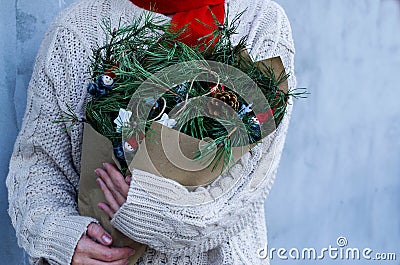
(22, 27)
(340, 171)
(7, 122)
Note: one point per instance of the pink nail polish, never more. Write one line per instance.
(106, 238)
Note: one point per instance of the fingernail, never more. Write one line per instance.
(132, 252)
(128, 179)
(104, 164)
(98, 181)
(106, 238)
(97, 173)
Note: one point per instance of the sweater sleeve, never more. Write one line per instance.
(43, 173)
(164, 215)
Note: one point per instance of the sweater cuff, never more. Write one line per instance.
(60, 239)
(140, 219)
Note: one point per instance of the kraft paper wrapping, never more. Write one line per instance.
(97, 149)
(166, 153)
(151, 157)
(169, 153)
(275, 63)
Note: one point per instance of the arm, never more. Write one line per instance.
(43, 176)
(164, 215)
(272, 146)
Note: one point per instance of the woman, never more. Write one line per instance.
(44, 169)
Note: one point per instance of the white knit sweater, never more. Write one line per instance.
(223, 223)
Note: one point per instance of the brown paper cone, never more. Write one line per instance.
(97, 149)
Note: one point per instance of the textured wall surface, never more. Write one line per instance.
(22, 27)
(340, 172)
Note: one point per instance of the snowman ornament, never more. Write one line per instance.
(105, 82)
(102, 85)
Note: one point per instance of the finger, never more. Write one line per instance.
(97, 232)
(99, 262)
(112, 202)
(117, 179)
(105, 176)
(105, 208)
(113, 254)
(90, 261)
(118, 262)
(96, 251)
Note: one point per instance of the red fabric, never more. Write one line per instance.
(188, 12)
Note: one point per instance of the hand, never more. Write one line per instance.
(114, 187)
(88, 252)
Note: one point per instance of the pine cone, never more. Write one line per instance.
(215, 105)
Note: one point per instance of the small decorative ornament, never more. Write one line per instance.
(215, 106)
(132, 143)
(166, 121)
(107, 80)
(215, 89)
(122, 119)
(229, 98)
(102, 85)
(245, 109)
(255, 120)
(129, 148)
(264, 116)
(119, 152)
(255, 129)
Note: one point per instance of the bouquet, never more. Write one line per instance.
(180, 112)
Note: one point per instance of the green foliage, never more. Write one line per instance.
(135, 52)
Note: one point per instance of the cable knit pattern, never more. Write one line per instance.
(222, 223)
